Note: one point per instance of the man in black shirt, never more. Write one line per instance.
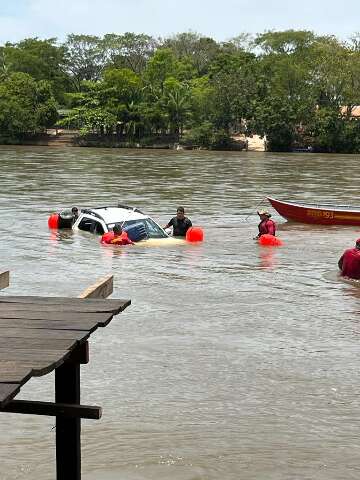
(180, 223)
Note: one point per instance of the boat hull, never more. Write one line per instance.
(317, 214)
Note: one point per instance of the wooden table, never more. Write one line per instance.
(42, 334)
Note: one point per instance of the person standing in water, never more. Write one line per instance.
(180, 223)
(68, 217)
(266, 226)
(75, 214)
(349, 262)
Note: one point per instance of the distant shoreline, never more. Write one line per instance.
(69, 138)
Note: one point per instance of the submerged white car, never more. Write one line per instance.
(102, 219)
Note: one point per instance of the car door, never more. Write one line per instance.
(90, 224)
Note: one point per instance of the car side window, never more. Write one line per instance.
(91, 225)
(154, 231)
(99, 228)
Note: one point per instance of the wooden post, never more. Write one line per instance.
(67, 391)
(68, 430)
(68, 446)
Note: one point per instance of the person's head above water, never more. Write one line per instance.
(75, 211)
(117, 229)
(357, 244)
(180, 213)
(264, 214)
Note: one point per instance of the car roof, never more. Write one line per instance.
(116, 214)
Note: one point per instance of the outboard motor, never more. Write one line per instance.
(136, 232)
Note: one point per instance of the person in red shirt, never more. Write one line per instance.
(266, 226)
(116, 237)
(349, 262)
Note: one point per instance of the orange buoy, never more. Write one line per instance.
(194, 234)
(267, 240)
(53, 221)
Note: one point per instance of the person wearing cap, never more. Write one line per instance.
(116, 237)
(349, 262)
(68, 217)
(266, 226)
(75, 214)
(180, 223)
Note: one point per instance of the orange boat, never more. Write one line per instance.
(325, 214)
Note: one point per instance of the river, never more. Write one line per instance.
(234, 361)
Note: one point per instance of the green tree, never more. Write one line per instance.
(26, 106)
(233, 77)
(130, 50)
(285, 42)
(42, 59)
(176, 103)
(85, 58)
(121, 93)
(193, 47)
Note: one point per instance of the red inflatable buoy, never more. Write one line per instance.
(267, 240)
(53, 221)
(195, 234)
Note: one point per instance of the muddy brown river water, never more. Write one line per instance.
(234, 361)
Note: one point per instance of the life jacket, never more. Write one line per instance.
(107, 237)
(110, 238)
(267, 226)
(351, 263)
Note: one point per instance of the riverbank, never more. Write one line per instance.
(72, 138)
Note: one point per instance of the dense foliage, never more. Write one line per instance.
(296, 88)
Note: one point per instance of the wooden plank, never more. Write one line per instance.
(21, 371)
(50, 324)
(14, 372)
(8, 392)
(103, 304)
(83, 325)
(37, 333)
(18, 307)
(38, 343)
(15, 307)
(55, 316)
(4, 279)
(32, 368)
(30, 354)
(40, 362)
(60, 300)
(103, 288)
(52, 409)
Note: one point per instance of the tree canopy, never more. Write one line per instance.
(295, 87)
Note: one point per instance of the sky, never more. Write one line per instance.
(219, 19)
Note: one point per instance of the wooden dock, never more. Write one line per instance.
(42, 334)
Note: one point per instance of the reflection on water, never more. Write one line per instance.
(234, 361)
(267, 257)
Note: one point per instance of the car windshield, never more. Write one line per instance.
(152, 229)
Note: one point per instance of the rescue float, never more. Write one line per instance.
(321, 214)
